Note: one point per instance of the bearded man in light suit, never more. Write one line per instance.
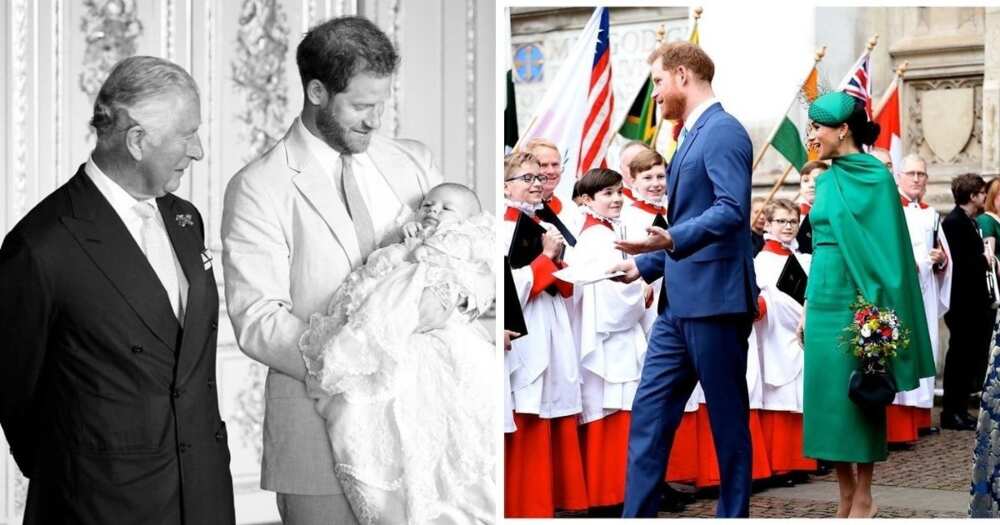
(295, 222)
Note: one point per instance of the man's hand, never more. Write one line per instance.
(507, 335)
(552, 244)
(412, 230)
(937, 256)
(628, 266)
(658, 239)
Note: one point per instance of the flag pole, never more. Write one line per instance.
(820, 53)
(656, 133)
(872, 42)
(895, 84)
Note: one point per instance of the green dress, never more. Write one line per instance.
(860, 243)
(990, 228)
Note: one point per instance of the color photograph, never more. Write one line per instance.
(751, 261)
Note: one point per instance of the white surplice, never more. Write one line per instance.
(612, 342)
(779, 350)
(935, 287)
(544, 364)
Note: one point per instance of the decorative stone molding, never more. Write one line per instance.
(19, 105)
(249, 413)
(919, 94)
(470, 93)
(110, 30)
(259, 73)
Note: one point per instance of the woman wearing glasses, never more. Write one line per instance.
(777, 341)
(861, 245)
(543, 465)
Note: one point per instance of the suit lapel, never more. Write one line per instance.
(318, 189)
(187, 243)
(388, 160)
(678, 159)
(104, 237)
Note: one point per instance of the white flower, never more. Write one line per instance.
(895, 333)
(865, 331)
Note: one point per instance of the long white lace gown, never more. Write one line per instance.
(411, 415)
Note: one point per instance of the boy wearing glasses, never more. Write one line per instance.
(543, 465)
(780, 351)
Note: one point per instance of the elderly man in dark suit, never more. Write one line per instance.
(108, 312)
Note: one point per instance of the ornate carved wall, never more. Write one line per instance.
(56, 54)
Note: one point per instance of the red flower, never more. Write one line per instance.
(886, 332)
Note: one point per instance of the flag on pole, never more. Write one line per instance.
(561, 112)
(601, 103)
(887, 117)
(640, 123)
(857, 83)
(787, 139)
(510, 106)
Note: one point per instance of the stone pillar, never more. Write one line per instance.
(991, 94)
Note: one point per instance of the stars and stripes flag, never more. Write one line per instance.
(857, 83)
(560, 115)
(600, 103)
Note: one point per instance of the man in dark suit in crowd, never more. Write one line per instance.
(970, 316)
(108, 311)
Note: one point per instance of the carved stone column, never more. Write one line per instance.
(991, 94)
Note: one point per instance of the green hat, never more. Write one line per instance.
(832, 108)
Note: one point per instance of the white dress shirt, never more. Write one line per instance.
(124, 205)
(696, 113)
(380, 200)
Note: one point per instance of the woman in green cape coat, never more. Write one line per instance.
(860, 246)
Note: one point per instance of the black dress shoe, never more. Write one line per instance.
(928, 431)
(955, 422)
(969, 418)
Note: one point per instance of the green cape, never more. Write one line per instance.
(871, 232)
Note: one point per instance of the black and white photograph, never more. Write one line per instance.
(247, 272)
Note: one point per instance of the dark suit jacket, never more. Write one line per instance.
(109, 406)
(710, 271)
(968, 278)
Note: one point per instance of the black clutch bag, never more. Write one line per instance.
(872, 387)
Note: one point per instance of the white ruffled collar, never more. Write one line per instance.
(589, 211)
(793, 245)
(525, 207)
(661, 203)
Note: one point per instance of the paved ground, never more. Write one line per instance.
(927, 480)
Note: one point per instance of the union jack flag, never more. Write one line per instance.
(857, 83)
(600, 101)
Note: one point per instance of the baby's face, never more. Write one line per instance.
(444, 205)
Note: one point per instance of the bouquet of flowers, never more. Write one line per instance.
(874, 336)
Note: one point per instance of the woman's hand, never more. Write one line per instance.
(800, 331)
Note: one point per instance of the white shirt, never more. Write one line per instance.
(124, 205)
(380, 201)
(695, 114)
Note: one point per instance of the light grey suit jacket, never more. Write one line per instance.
(288, 243)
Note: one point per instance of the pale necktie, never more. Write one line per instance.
(684, 134)
(356, 207)
(157, 249)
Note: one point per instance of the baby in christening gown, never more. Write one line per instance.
(403, 374)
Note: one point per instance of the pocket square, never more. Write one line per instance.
(206, 259)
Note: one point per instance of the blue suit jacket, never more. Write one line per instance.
(710, 270)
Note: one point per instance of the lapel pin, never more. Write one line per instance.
(184, 220)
